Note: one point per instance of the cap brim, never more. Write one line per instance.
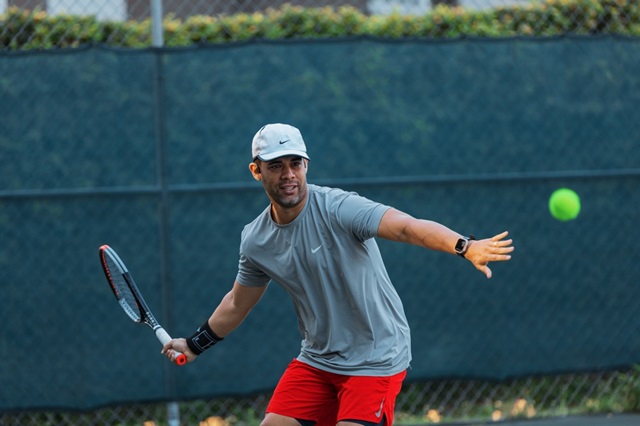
(283, 153)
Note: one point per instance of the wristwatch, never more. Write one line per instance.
(463, 245)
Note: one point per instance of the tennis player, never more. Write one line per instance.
(318, 243)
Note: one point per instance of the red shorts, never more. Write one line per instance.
(307, 393)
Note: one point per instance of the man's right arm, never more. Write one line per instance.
(232, 310)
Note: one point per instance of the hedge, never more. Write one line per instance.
(23, 29)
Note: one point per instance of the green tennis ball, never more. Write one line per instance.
(564, 204)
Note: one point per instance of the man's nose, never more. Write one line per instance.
(287, 171)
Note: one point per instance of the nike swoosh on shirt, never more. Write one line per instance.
(316, 249)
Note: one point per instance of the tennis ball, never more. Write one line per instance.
(564, 204)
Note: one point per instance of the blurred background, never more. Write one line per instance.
(129, 123)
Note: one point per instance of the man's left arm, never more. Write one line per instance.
(402, 227)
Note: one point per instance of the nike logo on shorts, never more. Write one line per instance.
(379, 412)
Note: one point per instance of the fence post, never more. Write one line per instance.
(157, 40)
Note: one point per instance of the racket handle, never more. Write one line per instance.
(163, 336)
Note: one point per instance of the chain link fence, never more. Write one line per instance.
(434, 401)
(431, 402)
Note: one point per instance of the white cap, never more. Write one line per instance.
(278, 140)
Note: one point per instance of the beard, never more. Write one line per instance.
(283, 199)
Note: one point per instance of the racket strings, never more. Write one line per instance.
(121, 289)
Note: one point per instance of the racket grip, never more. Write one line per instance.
(163, 336)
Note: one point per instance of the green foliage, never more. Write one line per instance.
(22, 29)
(541, 397)
(622, 394)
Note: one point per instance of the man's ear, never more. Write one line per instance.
(255, 171)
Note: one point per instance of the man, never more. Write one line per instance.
(318, 244)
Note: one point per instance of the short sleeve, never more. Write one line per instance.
(249, 275)
(359, 215)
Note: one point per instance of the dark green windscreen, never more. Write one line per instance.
(147, 151)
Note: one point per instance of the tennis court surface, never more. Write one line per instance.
(596, 420)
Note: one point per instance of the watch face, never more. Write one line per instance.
(461, 245)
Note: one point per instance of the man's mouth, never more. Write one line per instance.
(288, 189)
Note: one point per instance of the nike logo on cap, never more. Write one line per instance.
(284, 141)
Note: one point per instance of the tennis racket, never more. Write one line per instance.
(129, 297)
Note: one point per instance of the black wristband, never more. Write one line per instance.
(203, 339)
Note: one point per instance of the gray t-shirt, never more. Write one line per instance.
(349, 313)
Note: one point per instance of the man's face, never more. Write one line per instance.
(285, 180)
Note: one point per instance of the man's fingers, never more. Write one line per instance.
(487, 271)
(501, 247)
(167, 347)
(501, 243)
(494, 249)
(500, 236)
